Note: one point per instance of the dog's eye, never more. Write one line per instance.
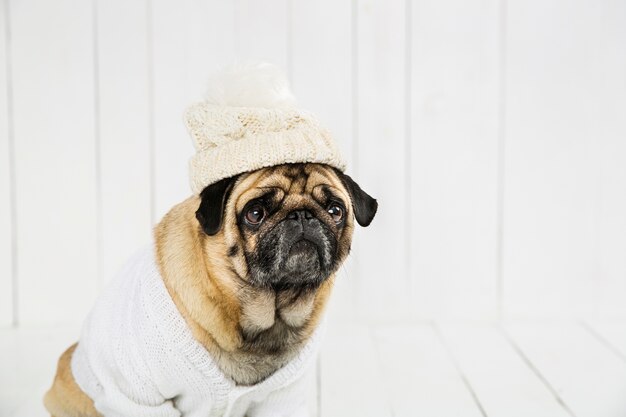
(255, 214)
(335, 212)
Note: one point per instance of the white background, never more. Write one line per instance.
(492, 133)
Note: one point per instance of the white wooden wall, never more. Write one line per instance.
(492, 132)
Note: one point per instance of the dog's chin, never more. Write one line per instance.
(302, 266)
(303, 256)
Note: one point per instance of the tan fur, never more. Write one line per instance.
(205, 302)
(65, 399)
(259, 312)
(210, 290)
(295, 312)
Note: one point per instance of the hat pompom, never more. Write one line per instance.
(250, 84)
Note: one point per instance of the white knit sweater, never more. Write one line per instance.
(137, 358)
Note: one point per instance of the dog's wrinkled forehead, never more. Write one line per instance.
(294, 186)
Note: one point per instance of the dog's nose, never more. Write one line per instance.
(300, 215)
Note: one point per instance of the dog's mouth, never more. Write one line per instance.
(303, 256)
(303, 248)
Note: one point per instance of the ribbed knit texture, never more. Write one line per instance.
(233, 140)
(137, 358)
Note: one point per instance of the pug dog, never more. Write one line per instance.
(248, 266)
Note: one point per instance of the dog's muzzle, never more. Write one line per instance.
(298, 251)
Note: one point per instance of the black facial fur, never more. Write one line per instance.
(363, 204)
(213, 201)
(299, 252)
(233, 251)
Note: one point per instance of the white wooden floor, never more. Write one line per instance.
(555, 369)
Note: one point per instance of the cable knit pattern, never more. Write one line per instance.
(137, 357)
(232, 140)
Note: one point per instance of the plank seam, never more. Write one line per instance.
(502, 31)
(12, 169)
(98, 143)
(318, 383)
(151, 106)
(534, 369)
(458, 368)
(354, 97)
(408, 42)
(289, 40)
(602, 340)
(355, 85)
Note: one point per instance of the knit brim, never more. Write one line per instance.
(233, 140)
(271, 149)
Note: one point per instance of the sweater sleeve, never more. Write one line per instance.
(111, 362)
(288, 401)
(117, 386)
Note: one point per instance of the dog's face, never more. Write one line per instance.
(285, 227)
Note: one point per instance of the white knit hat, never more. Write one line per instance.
(249, 121)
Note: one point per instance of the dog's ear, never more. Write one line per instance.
(364, 205)
(210, 214)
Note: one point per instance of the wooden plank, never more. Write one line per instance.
(31, 355)
(351, 383)
(607, 85)
(124, 131)
(454, 148)
(564, 205)
(321, 79)
(321, 67)
(189, 39)
(503, 382)
(418, 376)
(6, 164)
(380, 166)
(172, 145)
(53, 85)
(584, 373)
(262, 31)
